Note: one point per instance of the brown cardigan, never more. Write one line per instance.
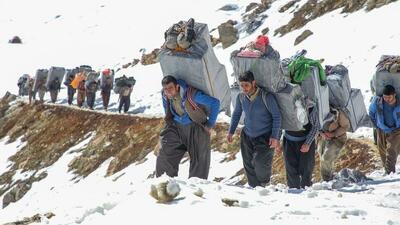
(340, 125)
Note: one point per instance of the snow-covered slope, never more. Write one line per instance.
(124, 198)
(105, 33)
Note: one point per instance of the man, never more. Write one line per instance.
(106, 88)
(71, 90)
(91, 89)
(41, 89)
(125, 98)
(385, 114)
(333, 138)
(30, 89)
(80, 98)
(54, 88)
(187, 128)
(299, 151)
(261, 132)
(21, 85)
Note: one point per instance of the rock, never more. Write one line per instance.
(230, 202)
(253, 25)
(218, 179)
(251, 6)
(265, 31)
(16, 193)
(151, 58)
(372, 4)
(165, 191)
(199, 192)
(303, 36)
(34, 219)
(15, 40)
(229, 7)
(228, 34)
(287, 6)
(266, 3)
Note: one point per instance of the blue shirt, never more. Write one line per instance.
(258, 119)
(388, 115)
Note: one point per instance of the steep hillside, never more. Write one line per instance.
(49, 131)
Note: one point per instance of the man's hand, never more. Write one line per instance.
(305, 148)
(208, 129)
(274, 143)
(229, 138)
(278, 150)
(327, 135)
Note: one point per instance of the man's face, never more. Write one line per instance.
(170, 90)
(248, 87)
(390, 99)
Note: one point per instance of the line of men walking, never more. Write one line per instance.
(84, 89)
(188, 125)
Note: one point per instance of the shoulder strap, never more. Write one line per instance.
(241, 98)
(191, 91)
(264, 96)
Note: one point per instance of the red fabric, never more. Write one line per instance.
(249, 54)
(262, 42)
(106, 72)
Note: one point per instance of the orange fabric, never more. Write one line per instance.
(179, 49)
(78, 78)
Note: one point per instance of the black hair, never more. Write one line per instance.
(168, 79)
(389, 90)
(246, 77)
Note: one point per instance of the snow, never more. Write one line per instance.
(105, 33)
(7, 150)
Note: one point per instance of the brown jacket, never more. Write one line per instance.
(340, 125)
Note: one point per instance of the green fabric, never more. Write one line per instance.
(301, 69)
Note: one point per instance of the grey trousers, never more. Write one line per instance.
(176, 139)
(329, 151)
(53, 95)
(257, 158)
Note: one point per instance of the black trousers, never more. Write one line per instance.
(124, 101)
(257, 158)
(299, 165)
(90, 97)
(176, 140)
(71, 93)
